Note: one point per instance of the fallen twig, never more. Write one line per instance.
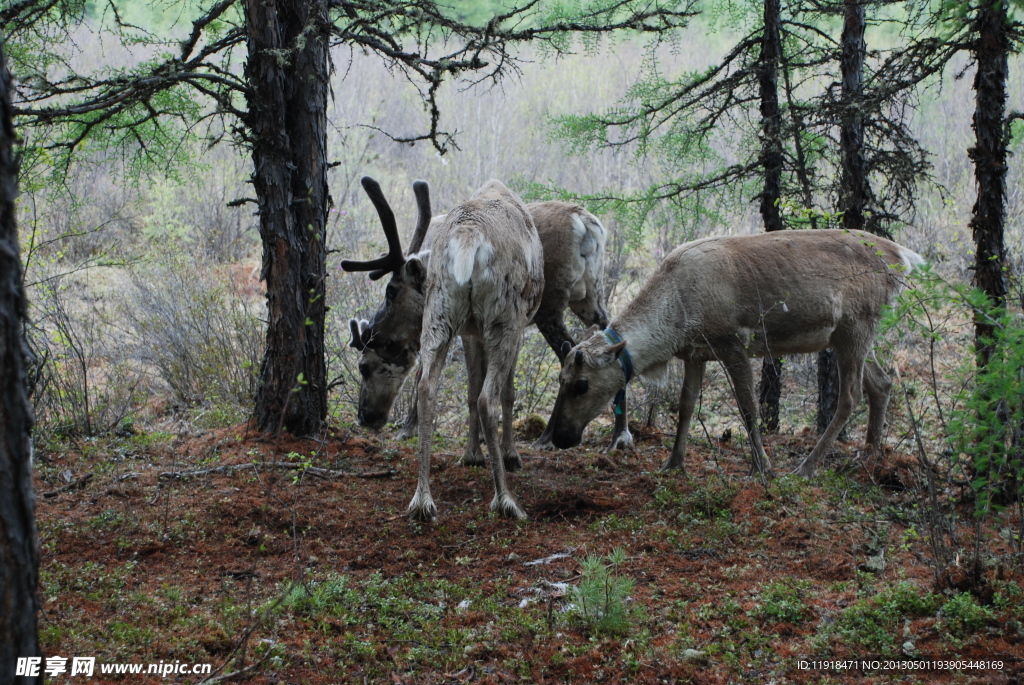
(553, 557)
(326, 474)
(73, 485)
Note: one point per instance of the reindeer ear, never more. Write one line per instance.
(617, 349)
(591, 331)
(414, 272)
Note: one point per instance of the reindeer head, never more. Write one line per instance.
(590, 377)
(390, 340)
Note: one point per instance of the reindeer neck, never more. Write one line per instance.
(646, 343)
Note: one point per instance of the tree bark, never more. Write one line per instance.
(989, 157)
(770, 388)
(287, 73)
(19, 546)
(853, 183)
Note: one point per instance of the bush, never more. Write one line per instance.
(83, 380)
(963, 616)
(203, 341)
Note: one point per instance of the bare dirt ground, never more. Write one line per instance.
(283, 576)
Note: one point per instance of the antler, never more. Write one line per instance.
(394, 259)
(422, 192)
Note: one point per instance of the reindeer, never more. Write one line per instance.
(573, 241)
(733, 298)
(483, 279)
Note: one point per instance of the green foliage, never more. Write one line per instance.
(785, 600)
(331, 597)
(982, 418)
(599, 601)
(963, 616)
(696, 501)
(873, 623)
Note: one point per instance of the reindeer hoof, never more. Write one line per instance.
(623, 441)
(472, 458)
(506, 507)
(543, 444)
(513, 462)
(422, 508)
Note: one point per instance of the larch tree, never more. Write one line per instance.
(804, 144)
(770, 387)
(19, 544)
(276, 107)
(991, 131)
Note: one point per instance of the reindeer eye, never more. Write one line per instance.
(580, 386)
(391, 292)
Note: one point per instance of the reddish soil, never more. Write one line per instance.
(190, 560)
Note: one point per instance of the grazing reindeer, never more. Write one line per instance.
(732, 298)
(573, 241)
(483, 279)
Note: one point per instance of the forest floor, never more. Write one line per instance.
(298, 576)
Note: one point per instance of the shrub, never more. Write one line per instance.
(203, 341)
(82, 379)
(963, 616)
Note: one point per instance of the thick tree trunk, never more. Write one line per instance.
(287, 74)
(19, 547)
(853, 182)
(989, 157)
(770, 388)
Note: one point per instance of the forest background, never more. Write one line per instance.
(147, 314)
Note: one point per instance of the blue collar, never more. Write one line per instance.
(624, 358)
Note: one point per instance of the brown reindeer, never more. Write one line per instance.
(483, 279)
(573, 241)
(733, 298)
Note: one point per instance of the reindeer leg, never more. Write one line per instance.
(409, 428)
(422, 507)
(500, 363)
(851, 369)
(737, 364)
(877, 386)
(475, 368)
(509, 455)
(692, 380)
(555, 333)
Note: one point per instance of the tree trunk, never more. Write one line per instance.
(989, 157)
(770, 389)
(853, 182)
(19, 546)
(287, 74)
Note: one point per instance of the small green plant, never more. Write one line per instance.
(600, 599)
(872, 623)
(963, 616)
(784, 601)
(696, 502)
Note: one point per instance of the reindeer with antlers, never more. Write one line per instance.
(483, 279)
(573, 241)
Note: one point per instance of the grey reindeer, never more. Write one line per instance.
(733, 298)
(573, 241)
(483, 279)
